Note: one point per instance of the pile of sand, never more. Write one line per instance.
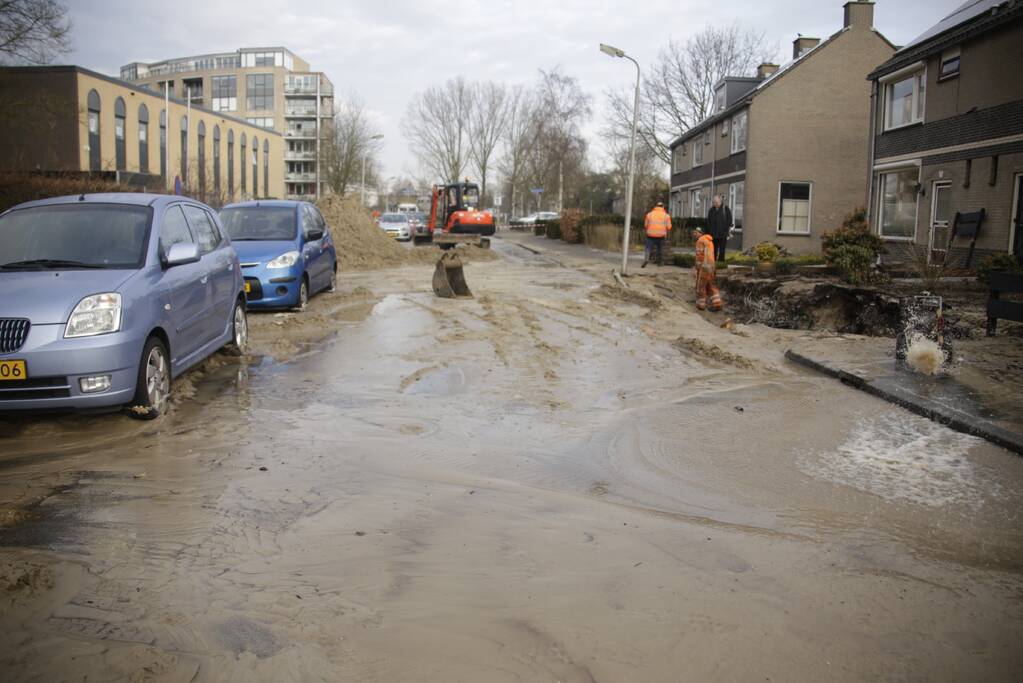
(362, 245)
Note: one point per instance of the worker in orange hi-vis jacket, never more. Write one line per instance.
(657, 224)
(706, 272)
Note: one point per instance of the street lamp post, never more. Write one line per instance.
(364, 155)
(615, 52)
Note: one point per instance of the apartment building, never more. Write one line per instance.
(269, 87)
(71, 119)
(786, 149)
(947, 137)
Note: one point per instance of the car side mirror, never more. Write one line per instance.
(314, 234)
(181, 253)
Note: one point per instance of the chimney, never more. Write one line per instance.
(859, 13)
(802, 44)
(765, 70)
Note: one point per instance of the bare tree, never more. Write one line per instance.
(678, 93)
(518, 137)
(33, 31)
(487, 120)
(436, 126)
(348, 143)
(562, 108)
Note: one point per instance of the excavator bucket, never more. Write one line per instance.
(449, 279)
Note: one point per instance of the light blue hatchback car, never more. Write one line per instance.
(107, 297)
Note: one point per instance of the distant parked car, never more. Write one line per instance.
(107, 297)
(396, 225)
(522, 222)
(286, 251)
(547, 216)
(420, 224)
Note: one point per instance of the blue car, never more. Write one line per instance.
(286, 251)
(107, 297)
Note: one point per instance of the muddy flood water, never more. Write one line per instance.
(533, 485)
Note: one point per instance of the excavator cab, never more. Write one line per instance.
(456, 218)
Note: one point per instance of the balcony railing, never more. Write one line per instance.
(300, 112)
(307, 133)
(299, 156)
(326, 90)
(300, 177)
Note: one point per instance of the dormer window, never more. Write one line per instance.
(719, 99)
(949, 64)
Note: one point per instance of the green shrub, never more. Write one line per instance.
(553, 230)
(684, 260)
(767, 252)
(740, 260)
(853, 262)
(539, 228)
(601, 219)
(997, 263)
(852, 249)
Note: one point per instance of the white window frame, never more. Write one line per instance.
(695, 202)
(947, 56)
(698, 152)
(809, 210)
(677, 156)
(734, 142)
(881, 172)
(732, 203)
(888, 82)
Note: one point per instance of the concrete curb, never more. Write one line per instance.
(942, 414)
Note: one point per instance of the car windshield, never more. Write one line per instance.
(259, 223)
(393, 218)
(112, 236)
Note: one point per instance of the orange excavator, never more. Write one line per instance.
(456, 218)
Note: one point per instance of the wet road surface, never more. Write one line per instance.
(528, 486)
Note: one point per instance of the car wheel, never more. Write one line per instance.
(239, 343)
(152, 388)
(303, 295)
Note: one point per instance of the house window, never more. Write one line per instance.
(949, 64)
(201, 140)
(225, 93)
(739, 131)
(736, 199)
(259, 92)
(230, 164)
(724, 128)
(898, 198)
(261, 121)
(266, 168)
(719, 99)
(120, 153)
(95, 162)
(696, 203)
(794, 208)
(143, 139)
(698, 152)
(216, 161)
(904, 100)
(163, 143)
(676, 159)
(942, 205)
(184, 151)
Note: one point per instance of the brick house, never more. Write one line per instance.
(787, 150)
(947, 134)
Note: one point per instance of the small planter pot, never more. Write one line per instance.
(766, 267)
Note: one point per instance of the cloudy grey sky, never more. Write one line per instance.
(384, 51)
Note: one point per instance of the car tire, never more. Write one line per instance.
(239, 343)
(152, 384)
(303, 295)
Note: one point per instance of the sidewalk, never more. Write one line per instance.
(558, 248)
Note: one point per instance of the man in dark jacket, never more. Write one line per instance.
(719, 223)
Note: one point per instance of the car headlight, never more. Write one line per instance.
(286, 260)
(96, 314)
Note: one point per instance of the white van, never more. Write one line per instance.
(408, 208)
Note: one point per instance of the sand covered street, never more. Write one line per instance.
(558, 480)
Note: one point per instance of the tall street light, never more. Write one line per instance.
(364, 155)
(615, 52)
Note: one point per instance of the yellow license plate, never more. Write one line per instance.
(248, 287)
(12, 370)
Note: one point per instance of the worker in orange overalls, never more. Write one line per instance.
(658, 225)
(706, 272)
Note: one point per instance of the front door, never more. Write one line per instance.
(1017, 221)
(941, 222)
